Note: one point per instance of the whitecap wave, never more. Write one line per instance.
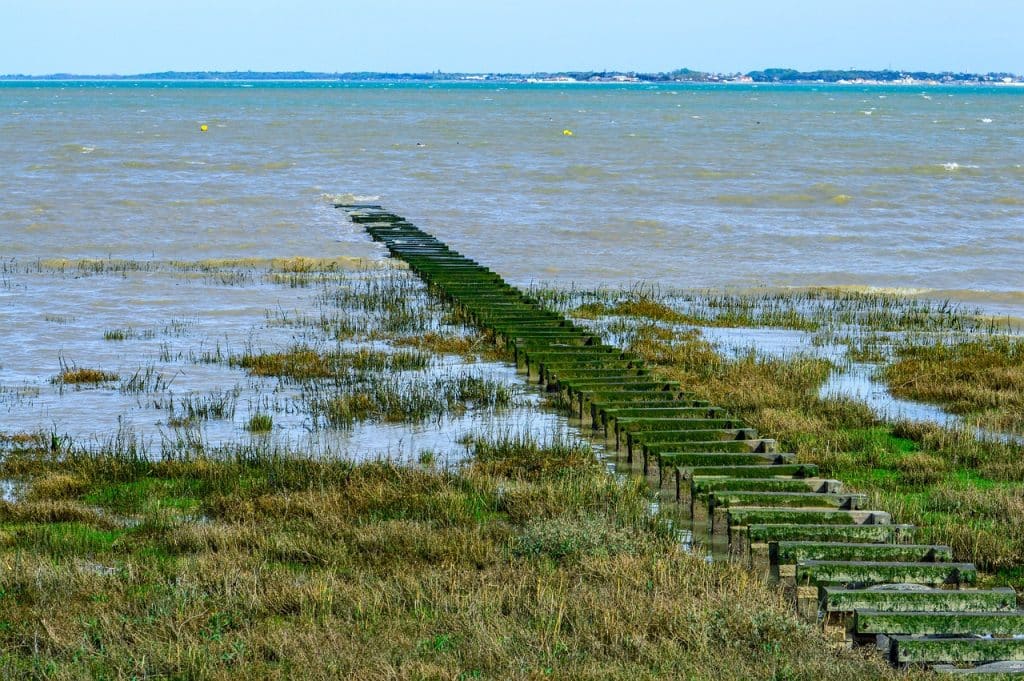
(349, 198)
(954, 167)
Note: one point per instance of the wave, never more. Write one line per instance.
(954, 167)
(349, 198)
(708, 174)
(583, 172)
(783, 199)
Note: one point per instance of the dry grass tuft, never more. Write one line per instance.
(57, 486)
(82, 375)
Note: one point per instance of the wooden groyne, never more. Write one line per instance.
(849, 567)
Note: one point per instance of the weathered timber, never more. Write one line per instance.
(792, 552)
(892, 599)
(996, 623)
(865, 573)
(771, 506)
(917, 650)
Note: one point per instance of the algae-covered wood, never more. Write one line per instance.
(997, 623)
(842, 599)
(820, 572)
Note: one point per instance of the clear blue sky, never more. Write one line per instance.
(134, 36)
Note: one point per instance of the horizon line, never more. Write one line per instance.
(317, 74)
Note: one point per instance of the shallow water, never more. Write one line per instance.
(182, 325)
(855, 380)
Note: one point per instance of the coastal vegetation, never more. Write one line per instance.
(981, 378)
(960, 488)
(72, 375)
(530, 561)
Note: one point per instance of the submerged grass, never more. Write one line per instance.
(466, 346)
(411, 399)
(193, 408)
(282, 566)
(807, 310)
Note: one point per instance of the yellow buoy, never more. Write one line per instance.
(203, 127)
(567, 132)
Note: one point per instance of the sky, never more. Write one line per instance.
(487, 36)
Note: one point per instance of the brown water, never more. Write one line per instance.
(910, 189)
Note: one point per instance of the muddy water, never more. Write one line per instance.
(913, 189)
(910, 188)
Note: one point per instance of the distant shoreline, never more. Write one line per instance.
(766, 76)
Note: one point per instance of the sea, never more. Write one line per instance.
(910, 188)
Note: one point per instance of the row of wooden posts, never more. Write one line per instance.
(849, 567)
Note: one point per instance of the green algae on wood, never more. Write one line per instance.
(1000, 623)
(820, 572)
(843, 599)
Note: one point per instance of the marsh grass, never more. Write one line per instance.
(74, 375)
(410, 399)
(260, 565)
(147, 379)
(961, 490)
(468, 346)
(304, 363)
(192, 407)
(808, 310)
(260, 423)
(980, 377)
(127, 333)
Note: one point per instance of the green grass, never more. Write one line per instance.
(529, 562)
(260, 423)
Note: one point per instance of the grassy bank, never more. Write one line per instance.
(530, 562)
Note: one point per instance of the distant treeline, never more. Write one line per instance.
(885, 76)
(773, 75)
